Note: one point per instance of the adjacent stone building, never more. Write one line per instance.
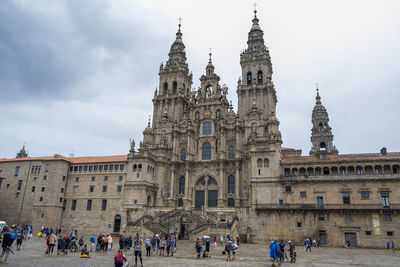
(203, 168)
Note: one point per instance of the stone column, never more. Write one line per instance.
(172, 184)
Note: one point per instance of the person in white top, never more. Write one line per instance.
(110, 242)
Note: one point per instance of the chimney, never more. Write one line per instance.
(383, 151)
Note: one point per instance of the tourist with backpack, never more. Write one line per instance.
(92, 241)
(148, 243)
(20, 237)
(228, 247)
(5, 244)
(198, 246)
(119, 259)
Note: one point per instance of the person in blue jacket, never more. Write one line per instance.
(274, 252)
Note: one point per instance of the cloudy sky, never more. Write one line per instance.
(79, 75)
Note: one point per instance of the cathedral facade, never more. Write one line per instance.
(203, 168)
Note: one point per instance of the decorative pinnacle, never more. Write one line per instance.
(148, 124)
(179, 25)
(255, 9)
(209, 60)
(318, 98)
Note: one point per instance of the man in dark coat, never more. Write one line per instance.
(6, 244)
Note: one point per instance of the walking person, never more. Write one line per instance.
(60, 245)
(5, 245)
(228, 247)
(162, 246)
(81, 242)
(138, 244)
(20, 237)
(92, 241)
(274, 252)
(197, 246)
(393, 246)
(119, 259)
(153, 244)
(52, 242)
(110, 242)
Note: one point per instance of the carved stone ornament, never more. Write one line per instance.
(165, 192)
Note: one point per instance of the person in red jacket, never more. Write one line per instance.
(119, 259)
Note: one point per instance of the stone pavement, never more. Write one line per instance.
(32, 254)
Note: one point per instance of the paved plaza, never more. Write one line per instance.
(32, 254)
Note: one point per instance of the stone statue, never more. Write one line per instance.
(132, 143)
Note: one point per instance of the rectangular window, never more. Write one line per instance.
(93, 178)
(347, 218)
(85, 168)
(90, 168)
(104, 188)
(298, 224)
(365, 194)
(105, 167)
(368, 232)
(19, 184)
(33, 189)
(75, 189)
(80, 168)
(46, 168)
(95, 168)
(317, 172)
(385, 199)
(206, 128)
(71, 169)
(105, 178)
(394, 170)
(73, 206)
(91, 188)
(137, 175)
(100, 168)
(63, 178)
(281, 203)
(75, 168)
(61, 199)
(111, 167)
(62, 190)
(388, 217)
(321, 217)
(231, 202)
(376, 171)
(180, 202)
(116, 167)
(346, 197)
(104, 204)
(320, 202)
(76, 179)
(121, 167)
(89, 205)
(389, 233)
(43, 189)
(17, 195)
(303, 194)
(120, 178)
(119, 188)
(288, 189)
(16, 171)
(45, 177)
(64, 204)
(41, 199)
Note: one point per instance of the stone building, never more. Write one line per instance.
(203, 168)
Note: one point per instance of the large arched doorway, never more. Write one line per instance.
(206, 191)
(117, 223)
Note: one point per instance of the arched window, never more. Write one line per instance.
(253, 128)
(216, 146)
(174, 87)
(183, 154)
(259, 163)
(231, 152)
(322, 146)
(231, 184)
(197, 116)
(218, 114)
(249, 77)
(165, 89)
(201, 181)
(206, 151)
(266, 163)
(207, 128)
(182, 185)
(211, 181)
(140, 167)
(134, 167)
(259, 77)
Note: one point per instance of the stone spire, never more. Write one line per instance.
(22, 153)
(177, 53)
(321, 133)
(210, 66)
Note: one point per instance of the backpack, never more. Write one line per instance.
(12, 235)
(118, 259)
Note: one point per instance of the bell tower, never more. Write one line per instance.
(175, 83)
(321, 132)
(256, 80)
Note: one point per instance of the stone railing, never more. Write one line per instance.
(321, 177)
(327, 207)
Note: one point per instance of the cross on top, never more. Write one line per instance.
(255, 8)
(317, 86)
(180, 21)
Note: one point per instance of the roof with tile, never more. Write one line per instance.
(73, 160)
(344, 158)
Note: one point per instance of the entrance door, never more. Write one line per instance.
(352, 238)
(117, 223)
(322, 238)
(199, 202)
(212, 198)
